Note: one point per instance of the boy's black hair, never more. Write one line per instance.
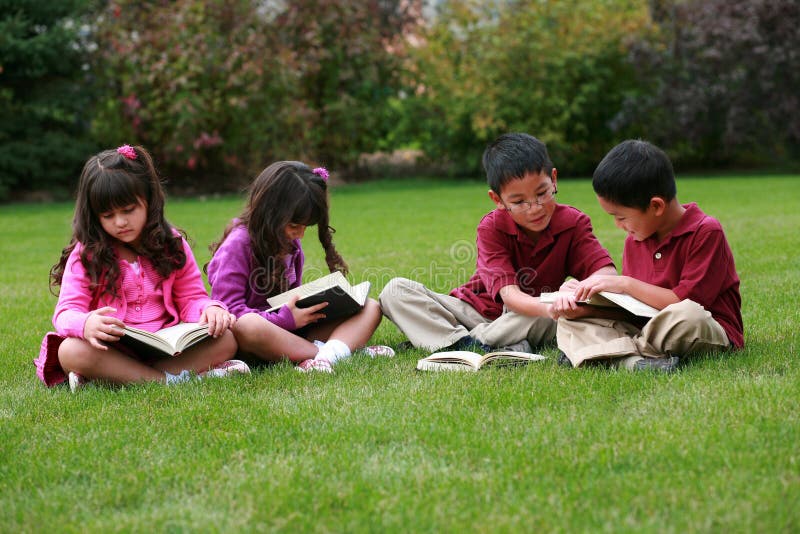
(511, 156)
(632, 173)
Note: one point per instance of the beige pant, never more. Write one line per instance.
(431, 320)
(679, 329)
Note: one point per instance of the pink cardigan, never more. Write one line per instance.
(185, 296)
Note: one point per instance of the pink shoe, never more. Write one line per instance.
(379, 350)
(76, 381)
(225, 369)
(312, 364)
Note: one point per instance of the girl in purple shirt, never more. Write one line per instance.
(260, 256)
(125, 265)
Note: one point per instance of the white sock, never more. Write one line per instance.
(333, 350)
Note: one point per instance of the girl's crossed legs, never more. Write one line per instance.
(267, 341)
(77, 355)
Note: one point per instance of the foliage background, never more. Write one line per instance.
(218, 89)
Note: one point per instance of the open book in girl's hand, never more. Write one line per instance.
(169, 341)
(464, 360)
(607, 299)
(342, 298)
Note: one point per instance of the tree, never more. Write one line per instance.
(557, 70)
(44, 101)
(218, 88)
(722, 78)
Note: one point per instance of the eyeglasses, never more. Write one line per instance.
(524, 205)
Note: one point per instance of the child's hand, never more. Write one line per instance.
(597, 283)
(570, 285)
(218, 320)
(304, 316)
(101, 327)
(567, 307)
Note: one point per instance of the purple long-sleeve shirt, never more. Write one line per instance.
(232, 274)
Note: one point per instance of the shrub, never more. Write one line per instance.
(218, 88)
(723, 78)
(557, 70)
(44, 103)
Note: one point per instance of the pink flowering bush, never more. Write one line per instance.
(217, 89)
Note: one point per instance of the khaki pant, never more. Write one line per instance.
(680, 329)
(432, 321)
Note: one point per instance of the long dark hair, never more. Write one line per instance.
(111, 181)
(285, 192)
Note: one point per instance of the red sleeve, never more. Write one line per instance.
(700, 279)
(586, 254)
(495, 267)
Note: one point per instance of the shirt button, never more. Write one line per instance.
(138, 308)
(658, 255)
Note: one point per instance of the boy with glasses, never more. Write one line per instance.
(528, 245)
(676, 259)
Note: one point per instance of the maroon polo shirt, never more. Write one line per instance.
(696, 263)
(507, 256)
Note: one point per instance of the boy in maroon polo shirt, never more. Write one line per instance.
(676, 259)
(527, 245)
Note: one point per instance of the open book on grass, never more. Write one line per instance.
(607, 299)
(169, 341)
(342, 298)
(464, 360)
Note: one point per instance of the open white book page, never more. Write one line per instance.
(461, 360)
(633, 305)
(608, 299)
(172, 339)
(360, 292)
(305, 290)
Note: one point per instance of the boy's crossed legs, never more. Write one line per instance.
(680, 329)
(433, 321)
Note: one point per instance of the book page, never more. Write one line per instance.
(455, 356)
(607, 299)
(510, 357)
(148, 338)
(360, 292)
(549, 298)
(633, 305)
(182, 334)
(336, 278)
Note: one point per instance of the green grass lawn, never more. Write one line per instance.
(380, 447)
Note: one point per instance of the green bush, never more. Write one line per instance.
(557, 70)
(219, 88)
(722, 78)
(44, 104)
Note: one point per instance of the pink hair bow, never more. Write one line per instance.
(322, 172)
(127, 151)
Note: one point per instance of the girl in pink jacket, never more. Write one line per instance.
(125, 265)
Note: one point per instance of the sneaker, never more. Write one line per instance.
(225, 369)
(76, 381)
(665, 365)
(180, 378)
(522, 346)
(468, 343)
(378, 350)
(563, 360)
(313, 364)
